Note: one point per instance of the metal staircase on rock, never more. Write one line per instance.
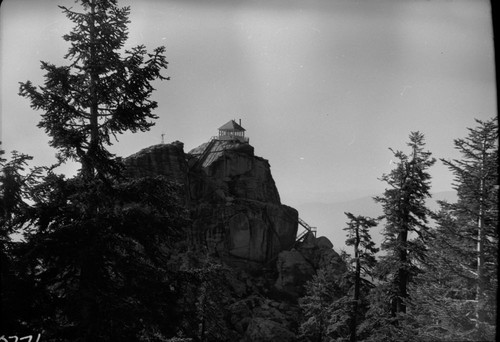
(206, 152)
(307, 229)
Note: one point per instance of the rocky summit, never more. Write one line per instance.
(235, 206)
(237, 215)
(232, 197)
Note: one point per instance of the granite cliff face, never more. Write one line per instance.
(232, 167)
(238, 216)
(166, 160)
(235, 206)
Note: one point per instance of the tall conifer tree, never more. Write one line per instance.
(99, 245)
(476, 182)
(455, 295)
(101, 92)
(364, 259)
(405, 213)
(457, 291)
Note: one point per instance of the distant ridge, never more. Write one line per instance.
(329, 217)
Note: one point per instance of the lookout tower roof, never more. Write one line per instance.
(232, 131)
(231, 126)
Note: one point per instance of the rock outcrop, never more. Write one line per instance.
(236, 209)
(231, 169)
(166, 160)
(319, 253)
(298, 266)
(237, 215)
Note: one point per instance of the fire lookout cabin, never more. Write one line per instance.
(232, 131)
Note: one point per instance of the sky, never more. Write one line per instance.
(323, 87)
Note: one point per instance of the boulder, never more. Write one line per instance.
(319, 253)
(324, 243)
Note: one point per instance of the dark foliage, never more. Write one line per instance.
(364, 262)
(457, 293)
(92, 276)
(101, 93)
(203, 296)
(405, 212)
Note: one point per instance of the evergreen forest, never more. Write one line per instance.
(102, 256)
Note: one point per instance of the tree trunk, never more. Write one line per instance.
(357, 278)
(89, 168)
(480, 315)
(88, 305)
(88, 275)
(402, 272)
